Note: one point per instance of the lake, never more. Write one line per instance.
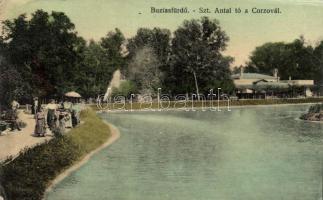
(248, 153)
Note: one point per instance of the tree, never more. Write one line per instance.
(45, 50)
(318, 56)
(157, 39)
(196, 61)
(52, 59)
(99, 61)
(90, 70)
(156, 43)
(12, 86)
(144, 72)
(113, 45)
(295, 60)
(266, 58)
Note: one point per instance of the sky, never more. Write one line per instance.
(95, 18)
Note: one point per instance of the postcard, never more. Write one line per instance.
(161, 99)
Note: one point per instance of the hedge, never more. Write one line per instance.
(28, 175)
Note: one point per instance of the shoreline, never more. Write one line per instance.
(310, 121)
(199, 108)
(115, 134)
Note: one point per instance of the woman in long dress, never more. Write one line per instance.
(51, 115)
(68, 116)
(40, 129)
(62, 121)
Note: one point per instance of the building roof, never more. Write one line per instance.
(260, 85)
(252, 76)
(277, 85)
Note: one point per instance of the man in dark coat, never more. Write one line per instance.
(12, 117)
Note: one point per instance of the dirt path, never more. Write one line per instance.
(11, 143)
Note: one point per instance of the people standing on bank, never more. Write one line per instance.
(51, 114)
(68, 117)
(76, 109)
(40, 129)
(35, 106)
(62, 121)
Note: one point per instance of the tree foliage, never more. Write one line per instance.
(50, 59)
(148, 52)
(113, 44)
(125, 89)
(44, 49)
(99, 61)
(157, 39)
(42, 55)
(296, 60)
(318, 55)
(11, 85)
(197, 49)
(144, 71)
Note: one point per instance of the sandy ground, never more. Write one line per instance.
(115, 134)
(11, 143)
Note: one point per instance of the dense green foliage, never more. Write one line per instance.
(43, 56)
(27, 176)
(144, 71)
(191, 59)
(44, 49)
(125, 89)
(99, 61)
(196, 59)
(11, 85)
(157, 39)
(296, 60)
(148, 52)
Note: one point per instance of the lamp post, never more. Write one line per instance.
(219, 99)
(158, 98)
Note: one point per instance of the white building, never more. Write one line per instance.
(255, 85)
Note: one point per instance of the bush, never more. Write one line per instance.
(27, 176)
(316, 108)
(126, 88)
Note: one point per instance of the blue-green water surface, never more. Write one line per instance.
(254, 153)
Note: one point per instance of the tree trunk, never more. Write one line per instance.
(321, 81)
(196, 86)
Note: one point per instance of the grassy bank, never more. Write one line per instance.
(197, 104)
(27, 176)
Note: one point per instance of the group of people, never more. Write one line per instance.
(55, 116)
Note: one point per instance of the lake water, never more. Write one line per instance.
(247, 154)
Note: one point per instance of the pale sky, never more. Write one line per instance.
(94, 18)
